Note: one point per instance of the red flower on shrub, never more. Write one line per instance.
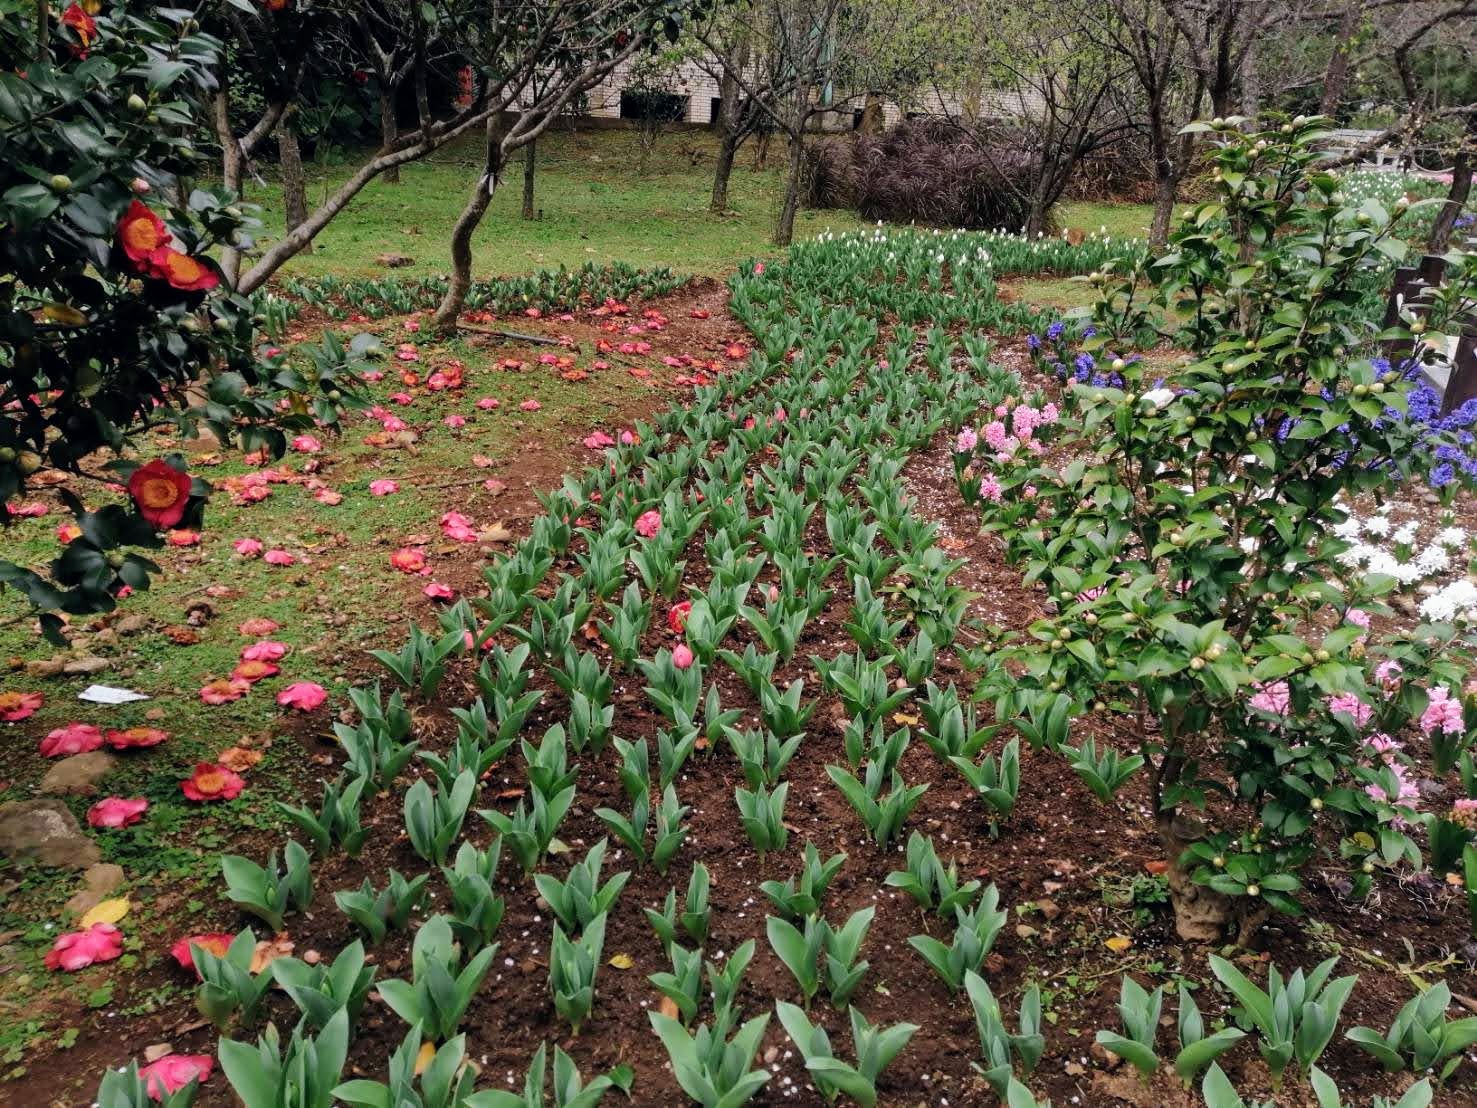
(142, 234)
(184, 272)
(161, 492)
(83, 24)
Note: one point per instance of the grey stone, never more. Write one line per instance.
(45, 831)
(77, 775)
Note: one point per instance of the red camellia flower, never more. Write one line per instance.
(165, 1076)
(217, 942)
(16, 706)
(211, 781)
(141, 233)
(677, 617)
(74, 738)
(83, 24)
(117, 811)
(408, 560)
(136, 738)
(102, 942)
(184, 272)
(161, 492)
(254, 671)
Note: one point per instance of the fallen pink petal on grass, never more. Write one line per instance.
(258, 625)
(248, 548)
(408, 560)
(212, 781)
(265, 651)
(530, 405)
(302, 695)
(437, 591)
(278, 557)
(384, 487)
(223, 690)
(117, 811)
(165, 1076)
(73, 738)
(102, 942)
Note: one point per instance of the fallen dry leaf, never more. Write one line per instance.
(1118, 944)
(182, 636)
(621, 961)
(106, 911)
(269, 950)
(239, 758)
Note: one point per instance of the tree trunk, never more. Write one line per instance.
(294, 184)
(530, 167)
(389, 132)
(784, 229)
(1166, 194)
(1251, 84)
(1456, 196)
(727, 152)
(1201, 915)
(466, 225)
(874, 120)
(761, 151)
(1336, 76)
(232, 167)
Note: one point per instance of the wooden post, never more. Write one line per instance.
(1461, 386)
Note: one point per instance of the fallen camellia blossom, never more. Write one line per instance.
(258, 625)
(254, 671)
(135, 738)
(598, 440)
(216, 942)
(117, 811)
(16, 706)
(212, 781)
(248, 548)
(302, 695)
(489, 403)
(264, 651)
(648, 524)
(454, 421)
(306, 444)
(530, 405)
(74, 738)
(408, 560)
(278, 558)
(168, 1075)
(329, 497)
(102, 942)
(437, 591)
(182, 538)
(384, 487)
(224, 690)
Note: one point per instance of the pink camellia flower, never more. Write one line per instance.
(677, 616)
(530, 405)
(437, 591)
(248, 548)
(117, 811)
(16, 706)
(454, 421)
(374, 375)
(258, 625)
(393, 424)
(302, 695)
(306, 444)
(212, 782)
(216, 942)
(264, 651)
(102, 942)
(648, 524)
(74, 738)
(1350, 705)
(408, 560)
(165, 1076)
(456, 526)
(254, 671)
(278, 557)
(402, 398)
(223, 691)
(598, 440)
(966, 441)
(135, 738)
(489, 403)
(329, 497)
(1442, 713)
(384, 487)
(681, 656)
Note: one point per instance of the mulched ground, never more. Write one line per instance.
(1053, 862)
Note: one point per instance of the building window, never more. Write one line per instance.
(664, 107)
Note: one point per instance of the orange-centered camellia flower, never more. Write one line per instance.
(161, 492)
(76, 17)
(212, 782)
(141, 234)
(16, 706)
(184, 272)
(135, 738)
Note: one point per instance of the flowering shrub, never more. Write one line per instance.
(1187, 531)
(114, 317)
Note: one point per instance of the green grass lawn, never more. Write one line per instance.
(596, 207)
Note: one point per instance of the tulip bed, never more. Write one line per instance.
(690, 801)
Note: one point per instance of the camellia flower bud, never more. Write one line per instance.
(140, 186)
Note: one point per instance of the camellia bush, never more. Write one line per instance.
(112, 315)
(1183, 519)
